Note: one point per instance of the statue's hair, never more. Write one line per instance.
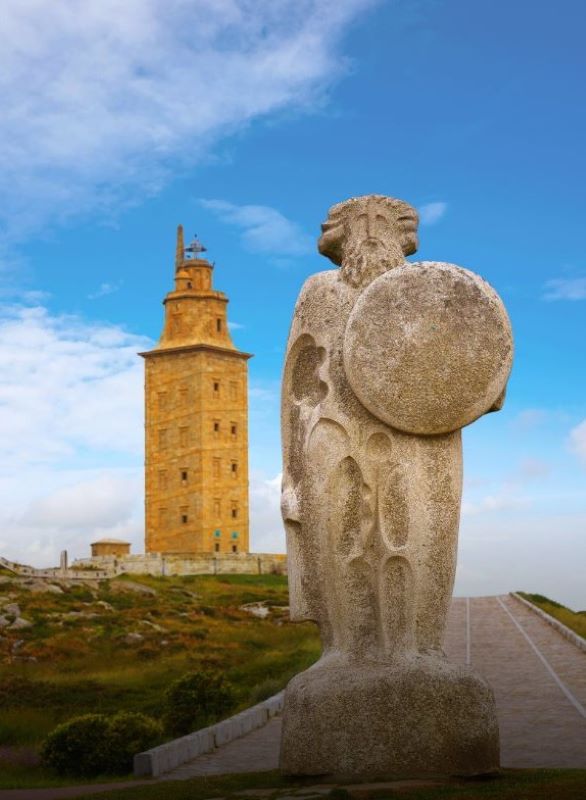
(347, 206)
(347, 248)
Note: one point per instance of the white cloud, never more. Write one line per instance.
(50, 510)
(99, 502)
(264, 229)
(103, 100)
(71, 433)
(266, 526)
(67, 385)
(235, 326)
(430, 213)
(103, 290)
(578, 440)
(565, 289)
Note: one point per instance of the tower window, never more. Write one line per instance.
(183, 433)
(216, 388)
(234, 468)
(216, 508)
(233, 430)
(219, 325)
(163, 438)
(217, 534)
(235, 534)
(233, 390)
(216, 467)
(189, 285)
(184, 477)
(216, 547)
(234, 548)
(162, 517)
(184, 515)
(183, 393)
(234, 511)
(216, 426)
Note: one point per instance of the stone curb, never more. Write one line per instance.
(173, 754)
(555, 623)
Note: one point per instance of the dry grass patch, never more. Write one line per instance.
(575, 620)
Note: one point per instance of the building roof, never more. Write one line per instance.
(110, 541)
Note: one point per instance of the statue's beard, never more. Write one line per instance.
(364, 260)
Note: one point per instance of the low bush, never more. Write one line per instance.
(130, 733)
(265, 689)
(95, 744)
(78, 747)
(196, 699)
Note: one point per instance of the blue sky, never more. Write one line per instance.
(245, 122)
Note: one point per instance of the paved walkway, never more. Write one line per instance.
(538, 676)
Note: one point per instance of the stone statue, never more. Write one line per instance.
(386, 361)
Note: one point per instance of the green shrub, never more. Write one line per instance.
(78, 747)
(196, 699)
(265, 689)
(95, 744)
(130, 733)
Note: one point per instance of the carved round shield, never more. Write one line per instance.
(428, 347)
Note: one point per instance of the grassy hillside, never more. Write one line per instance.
(575, 620)
(118, 644)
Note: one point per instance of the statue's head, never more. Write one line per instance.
(368, 235)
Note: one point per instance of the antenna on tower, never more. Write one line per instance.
(194, 248)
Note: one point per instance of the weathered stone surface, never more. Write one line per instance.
(386, 361)
(20, 623)
(133, 638)
(110, 547)
(428, 348)
(416, 716)
(12, 609)
(258, 609)
(40, 587)
(186, 564)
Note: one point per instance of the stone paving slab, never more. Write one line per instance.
(256, 752)
(540, 726)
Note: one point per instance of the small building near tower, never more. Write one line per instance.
(110, 547)
(196, 421)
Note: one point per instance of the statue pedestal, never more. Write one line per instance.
(417, 716)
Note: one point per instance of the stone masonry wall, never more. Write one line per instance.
(188, 564)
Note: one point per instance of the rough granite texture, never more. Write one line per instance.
(382, 354)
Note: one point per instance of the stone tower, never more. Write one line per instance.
(196, 420)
